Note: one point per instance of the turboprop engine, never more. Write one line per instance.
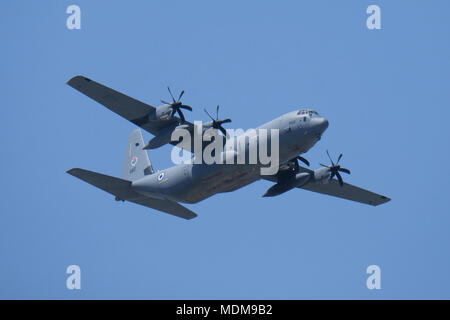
(163, 137)
(298, 180)
(292, 178)
(166, 111)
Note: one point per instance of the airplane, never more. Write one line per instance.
(190, 183)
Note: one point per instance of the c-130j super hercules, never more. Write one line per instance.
(190, 182)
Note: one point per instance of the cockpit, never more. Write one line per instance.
(308, 112)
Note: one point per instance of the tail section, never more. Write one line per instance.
(137, 163)
(122, 190)
(116, 186)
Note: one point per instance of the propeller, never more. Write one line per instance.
(176, 105)
(217, 124)
(295, 162)
(335, 168)
(302, 160)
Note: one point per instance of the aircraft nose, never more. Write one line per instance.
(323, 125)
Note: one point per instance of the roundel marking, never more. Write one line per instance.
(134, 161)
(160, 176)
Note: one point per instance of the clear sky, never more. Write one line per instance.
(385, 93)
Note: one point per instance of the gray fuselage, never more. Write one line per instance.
(191, 183)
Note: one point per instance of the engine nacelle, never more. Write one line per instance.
(299, 180)
(322, 175)
(162, 113)
(164, 137)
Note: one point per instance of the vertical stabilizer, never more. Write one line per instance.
(137, 163)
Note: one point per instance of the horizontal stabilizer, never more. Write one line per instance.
(166, 206)
(122, 190)
(116, 186)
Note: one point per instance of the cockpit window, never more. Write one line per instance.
(311, 113)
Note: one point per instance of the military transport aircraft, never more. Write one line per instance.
(189, 182)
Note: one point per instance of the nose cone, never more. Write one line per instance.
(325, 124)
(322, 125)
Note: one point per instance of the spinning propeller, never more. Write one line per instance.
(176, 105)
(335, 168)
(217, 124)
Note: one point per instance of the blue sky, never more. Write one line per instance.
(384, 92)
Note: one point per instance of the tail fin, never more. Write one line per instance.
(137, 163)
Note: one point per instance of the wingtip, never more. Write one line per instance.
(77, 79)
(73, 79)
(73, 171)
(384, 199)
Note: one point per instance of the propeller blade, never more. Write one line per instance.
(303, 160)
(168, 88)
(181, 116)
(341, 182)
(216, 123)
(185, 106)
(335, 168)
(181, 94)
(225, 133)
(344, 170)
(333, 173)
(296, 165)
(165, 102)
(206, 111)
(219, 122)
(332, 163)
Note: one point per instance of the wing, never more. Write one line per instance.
(121, 189)
(347, 191)
(131, 109)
